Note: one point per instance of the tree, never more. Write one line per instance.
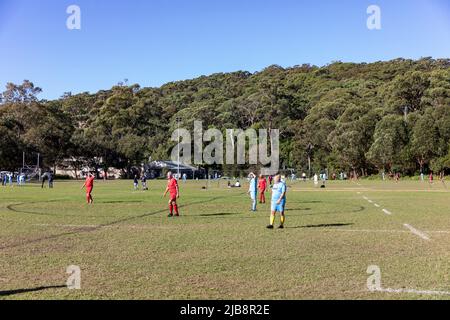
(24, 93)
(408, 91)
(424, 140)
(389, 140)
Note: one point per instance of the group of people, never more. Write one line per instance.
(7, 179)
(143, 181)
(276, 182)
(47, 177)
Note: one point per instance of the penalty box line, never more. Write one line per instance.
(413, 230)
(417, 232)
(376, 205)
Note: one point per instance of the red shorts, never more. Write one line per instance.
(89, 190)
(173, 197)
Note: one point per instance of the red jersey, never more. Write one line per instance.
(262, 184)
(89, 182)
(172, 185)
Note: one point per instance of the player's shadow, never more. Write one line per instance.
(19, 291)
(218, 214)
(322, 226)
(308, 202)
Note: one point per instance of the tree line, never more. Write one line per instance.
(387, 116)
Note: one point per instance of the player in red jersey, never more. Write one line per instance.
(262, 186)
(89, 185)
(172, 188)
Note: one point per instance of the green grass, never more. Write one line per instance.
(127, 248)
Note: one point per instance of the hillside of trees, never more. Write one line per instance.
(392, 116)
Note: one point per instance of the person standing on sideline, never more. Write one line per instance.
(253, 190)
(50, 179)
(172, 188)
(316, 180)
(44, 179)
(262, 186)
(442, 178)
(89, 185)
(144, 182)
(278, 204)
(135, 183)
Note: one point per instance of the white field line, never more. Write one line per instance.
(382, 231)
(417, 232)
(414, 291)
(377, 205)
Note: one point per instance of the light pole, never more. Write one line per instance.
(310, 147)
(178, 131)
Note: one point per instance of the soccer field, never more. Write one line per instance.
(127, 247)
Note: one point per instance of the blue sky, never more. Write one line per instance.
(157, 41)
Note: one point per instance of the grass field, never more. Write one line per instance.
(127, 248)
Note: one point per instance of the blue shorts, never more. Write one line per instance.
(278, 207)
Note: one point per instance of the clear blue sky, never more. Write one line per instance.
(152, 42)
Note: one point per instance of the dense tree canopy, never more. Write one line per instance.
(392, 115)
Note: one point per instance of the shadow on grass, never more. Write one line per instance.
(322, 226)
(19, 291)
(81, 230)
(120, 201)
(359, 209)
(306, 202)
(217, 214)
